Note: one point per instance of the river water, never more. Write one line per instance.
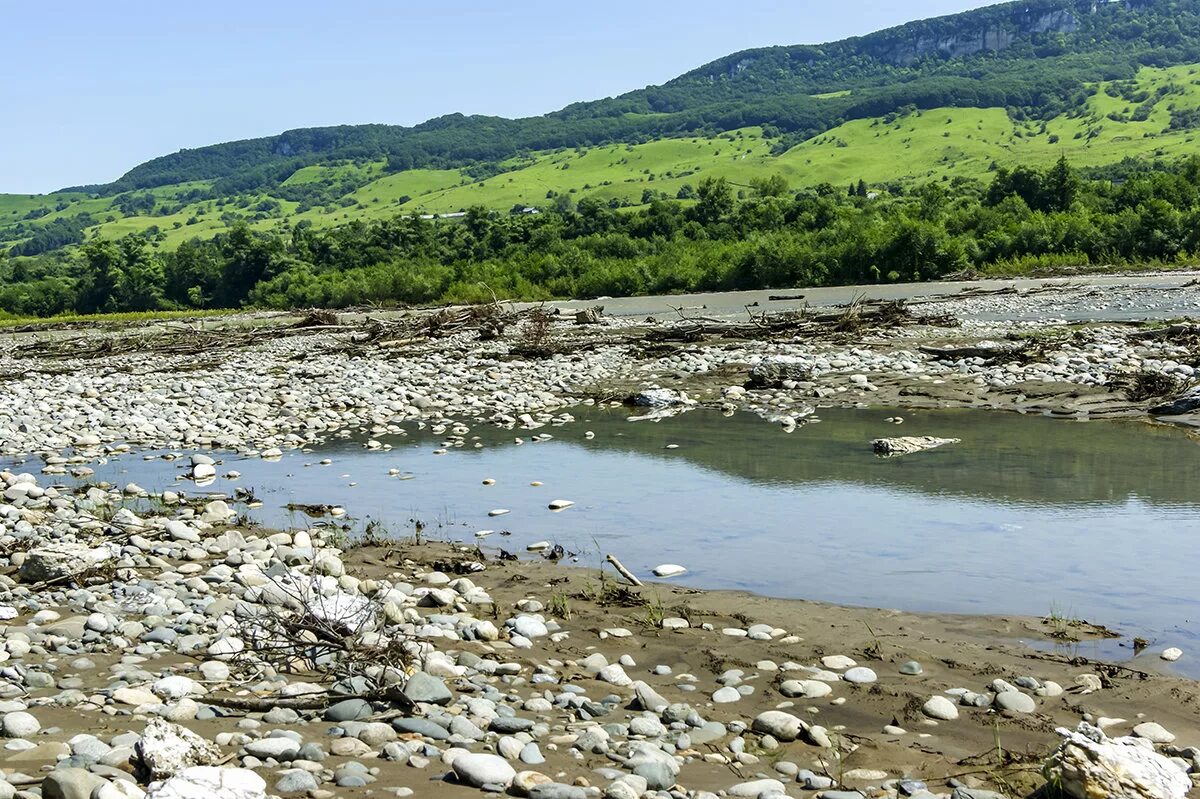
(1030, 515)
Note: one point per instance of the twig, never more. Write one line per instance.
(628, 575)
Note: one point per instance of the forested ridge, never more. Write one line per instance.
(1023, 219)
(1033, 57)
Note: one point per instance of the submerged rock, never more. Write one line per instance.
(906, 445)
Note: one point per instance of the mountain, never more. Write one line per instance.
(955, 96)
(1027, 55)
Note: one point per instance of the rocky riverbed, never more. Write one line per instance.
(157, 644)
(261, 385)
(177, 654)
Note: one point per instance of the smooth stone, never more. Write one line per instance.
(1154, 732)
(726, 695)
(939, 707)
(860, 675)
(1015, 701)
(782, 726)
(295, 781)
(478, 769)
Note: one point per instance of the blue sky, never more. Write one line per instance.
(88, 90)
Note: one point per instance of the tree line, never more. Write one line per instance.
(1022, 219)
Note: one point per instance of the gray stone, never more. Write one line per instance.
(1015, 701)
(860, 675)
(507, 725)
(296, 780)
(939, 707)
(477, 770)
(782, 726)
(70, 783)
(348, 710)
(281, 749)
(646, 698)
(531, 755)
(1150, 730)
(556, 790)
(422, 687)
(756, 788)
(19, 724)
(912, 668)
(659, 776)
(423, 727)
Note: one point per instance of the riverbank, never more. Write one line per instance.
(118, 622)
(255, 384)
(128, 606)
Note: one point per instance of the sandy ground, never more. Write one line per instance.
(982, 748)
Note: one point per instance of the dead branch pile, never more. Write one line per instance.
(318, 317)
(1183, 335)
(1144, 385)
(854, 319)
(294, 623)
(170, 341)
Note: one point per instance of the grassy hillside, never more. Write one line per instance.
(1118, 119)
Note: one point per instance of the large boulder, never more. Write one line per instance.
(210, 782)
(60, 561)
(1088, 764)
(166, 749)
(906, 445)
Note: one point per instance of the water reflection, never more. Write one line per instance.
(1097, 519)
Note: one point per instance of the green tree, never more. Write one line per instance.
(774, 186)
(102, 263)
(1060, 186)
(714, 201)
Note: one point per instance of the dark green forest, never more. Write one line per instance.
(1021, 220)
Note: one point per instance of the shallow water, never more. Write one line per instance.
(1095, 520)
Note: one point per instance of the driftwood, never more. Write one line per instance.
(621, 570)
(954, 353)
(856, 318)
(257, 704)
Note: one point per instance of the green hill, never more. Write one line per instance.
(1113, 87)
(952, 96)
